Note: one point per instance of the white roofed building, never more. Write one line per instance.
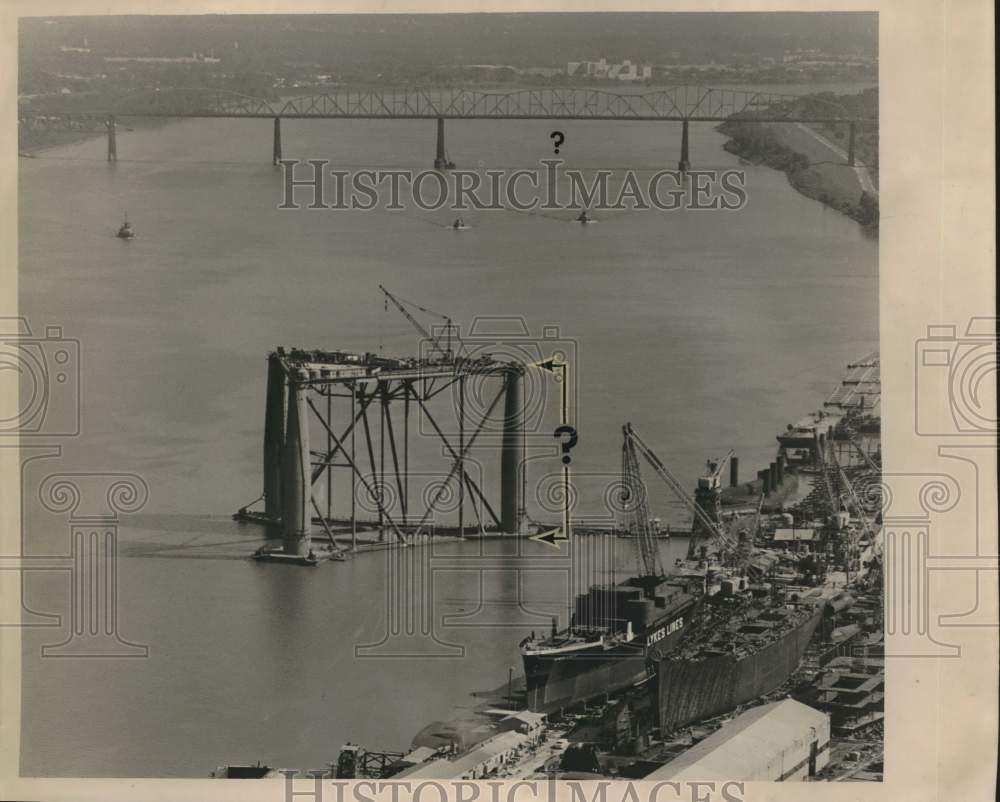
(784, 740)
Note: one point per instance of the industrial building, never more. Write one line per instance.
(482, 761)
(795, 539)
(626, 71)
(784, 740)
(852, 690)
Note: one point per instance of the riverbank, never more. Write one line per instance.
(815, 166)
(34, 143)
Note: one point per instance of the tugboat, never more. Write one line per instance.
(126, 231)
(459, 224)
(584, 218)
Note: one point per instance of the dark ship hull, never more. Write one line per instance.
(565, 671)
(555, 682)
(693, 689)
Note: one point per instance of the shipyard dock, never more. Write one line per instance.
(769, 633)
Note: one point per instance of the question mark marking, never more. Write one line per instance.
(567, 444)
(559, 137)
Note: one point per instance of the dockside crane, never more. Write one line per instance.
(708, 494)
(858, 506)
(727, 547)
(637, 519)
(865, 455)
(448, 331)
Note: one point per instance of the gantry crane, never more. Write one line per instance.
(448, 331)
(721, 538)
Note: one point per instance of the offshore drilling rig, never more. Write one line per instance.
(304, 443)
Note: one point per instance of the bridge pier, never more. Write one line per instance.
(685, 163)
(112, 141)
(440, 158)
(276, 148)
(850, 145)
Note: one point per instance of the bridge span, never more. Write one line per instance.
(684, 104)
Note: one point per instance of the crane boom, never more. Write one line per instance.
(719, 535)
(637, 512)
(864, 454)
(435, 342)
(720, 466)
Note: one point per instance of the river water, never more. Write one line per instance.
(708, 330)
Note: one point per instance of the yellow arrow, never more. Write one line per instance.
(549, 364)
(554, 537)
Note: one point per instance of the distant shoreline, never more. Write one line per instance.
(61, 139)
(832, 182)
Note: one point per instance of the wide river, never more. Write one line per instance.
(707, 330)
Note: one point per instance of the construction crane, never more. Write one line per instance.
(832, 492)
(448, 330)
(862, 513)
(756, 518)
(708, 493)
(721, 538)
(864, 454)
(637, 517)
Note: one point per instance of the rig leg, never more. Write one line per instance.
(112, 140)
(275, 414)
(276, 150)
(685, 163)
(296, 517)
(511, 455)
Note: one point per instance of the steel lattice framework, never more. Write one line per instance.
(683, 102)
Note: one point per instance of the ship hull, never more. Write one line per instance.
(693, 690)
(557, 681)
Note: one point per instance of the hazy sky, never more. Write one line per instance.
(427, 40)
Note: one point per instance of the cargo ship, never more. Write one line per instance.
(745, 645)
(616, 631)
(613, 632)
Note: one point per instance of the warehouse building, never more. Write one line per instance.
(784, 740)
(482, 761)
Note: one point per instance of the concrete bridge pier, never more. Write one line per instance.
(512, 452)
(850, 145)
(276, 149)
(685, 163)
(275, 413)
(296, 469)
(440, 157)
(112, 141)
